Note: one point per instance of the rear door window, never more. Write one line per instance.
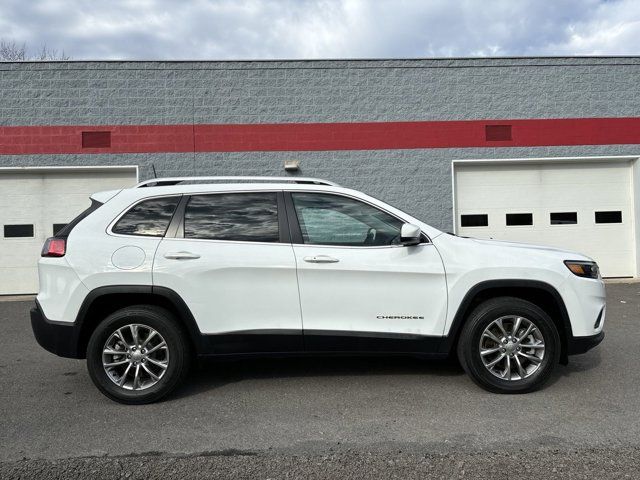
(149, 218)
(240, 217)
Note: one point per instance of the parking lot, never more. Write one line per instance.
(319, 417)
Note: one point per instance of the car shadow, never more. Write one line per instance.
(211, 374)
(577, 364)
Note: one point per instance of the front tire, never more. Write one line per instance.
(509, 345)
(138, 354)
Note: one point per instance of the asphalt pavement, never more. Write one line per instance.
(325, 418)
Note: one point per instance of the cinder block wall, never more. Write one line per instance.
(417, 180)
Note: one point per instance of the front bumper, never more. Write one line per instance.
(578, 345)
(55, 337)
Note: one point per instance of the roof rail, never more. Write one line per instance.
(160, 182)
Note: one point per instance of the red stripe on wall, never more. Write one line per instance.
(319, 136)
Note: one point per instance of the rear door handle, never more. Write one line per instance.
(181, 255)
(321, 259)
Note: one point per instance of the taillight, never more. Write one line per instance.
(54, 247)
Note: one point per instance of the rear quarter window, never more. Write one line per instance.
(149, 218)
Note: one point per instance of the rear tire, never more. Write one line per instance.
(509, 345)
(138, 354)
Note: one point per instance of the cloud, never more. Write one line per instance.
(266, 29)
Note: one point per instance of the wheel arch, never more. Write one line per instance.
(539, 293)
(103, 301)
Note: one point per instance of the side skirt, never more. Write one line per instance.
(318, 343)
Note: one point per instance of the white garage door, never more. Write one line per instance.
(585, 207)
(35, 203)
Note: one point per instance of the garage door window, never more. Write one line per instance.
(519, 219)
(564, 218)
(18, 231)
(481, 220)
(57, 228)
(149, 218)
(609, 217)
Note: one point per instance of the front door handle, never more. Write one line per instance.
(321, 259)
(181, 255)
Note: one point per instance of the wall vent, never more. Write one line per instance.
(497, 133)
(96, 139)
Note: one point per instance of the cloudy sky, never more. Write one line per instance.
(265, 29)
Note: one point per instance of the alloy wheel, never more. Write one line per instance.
(512, 348)
(135, 357)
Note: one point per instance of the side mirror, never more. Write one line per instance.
(410, 234)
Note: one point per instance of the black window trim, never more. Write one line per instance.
(296, 231)
(176, 226)
(290, 232)
(66, 231)
(136, 203)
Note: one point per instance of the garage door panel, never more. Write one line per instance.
(20, 252)
(43, 198)
(17, 280)
(16, 184)
(542, 189)
(17, 205)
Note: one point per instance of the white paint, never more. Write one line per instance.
(232, 286)
(636, 209)
(236, 286)
(540, 187)
(128, 257)
(42, 196)
(367, 283)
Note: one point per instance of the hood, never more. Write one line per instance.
(567, 254)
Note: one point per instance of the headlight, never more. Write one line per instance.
(583, 269)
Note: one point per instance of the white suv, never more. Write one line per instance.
(149, 277)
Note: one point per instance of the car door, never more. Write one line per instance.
(360, 288)
(231, 260)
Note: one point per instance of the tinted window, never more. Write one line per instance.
(481, 220)
(335, 220)
(149, 218)
(18, 231)
(247, 217)
(563, 218)
(609, 217)
(517, 219)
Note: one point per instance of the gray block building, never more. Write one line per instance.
(538, 150)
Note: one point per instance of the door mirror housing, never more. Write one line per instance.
(410, 234)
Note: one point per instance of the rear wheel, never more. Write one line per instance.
(509, 345)
(138, 354)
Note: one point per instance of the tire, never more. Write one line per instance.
(169, 363)
(483, 324)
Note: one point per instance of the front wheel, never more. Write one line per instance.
(509, 345)
(138, 354)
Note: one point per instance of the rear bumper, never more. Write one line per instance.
(54, 337)
(577, 345)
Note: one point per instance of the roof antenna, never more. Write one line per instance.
(153, 167)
